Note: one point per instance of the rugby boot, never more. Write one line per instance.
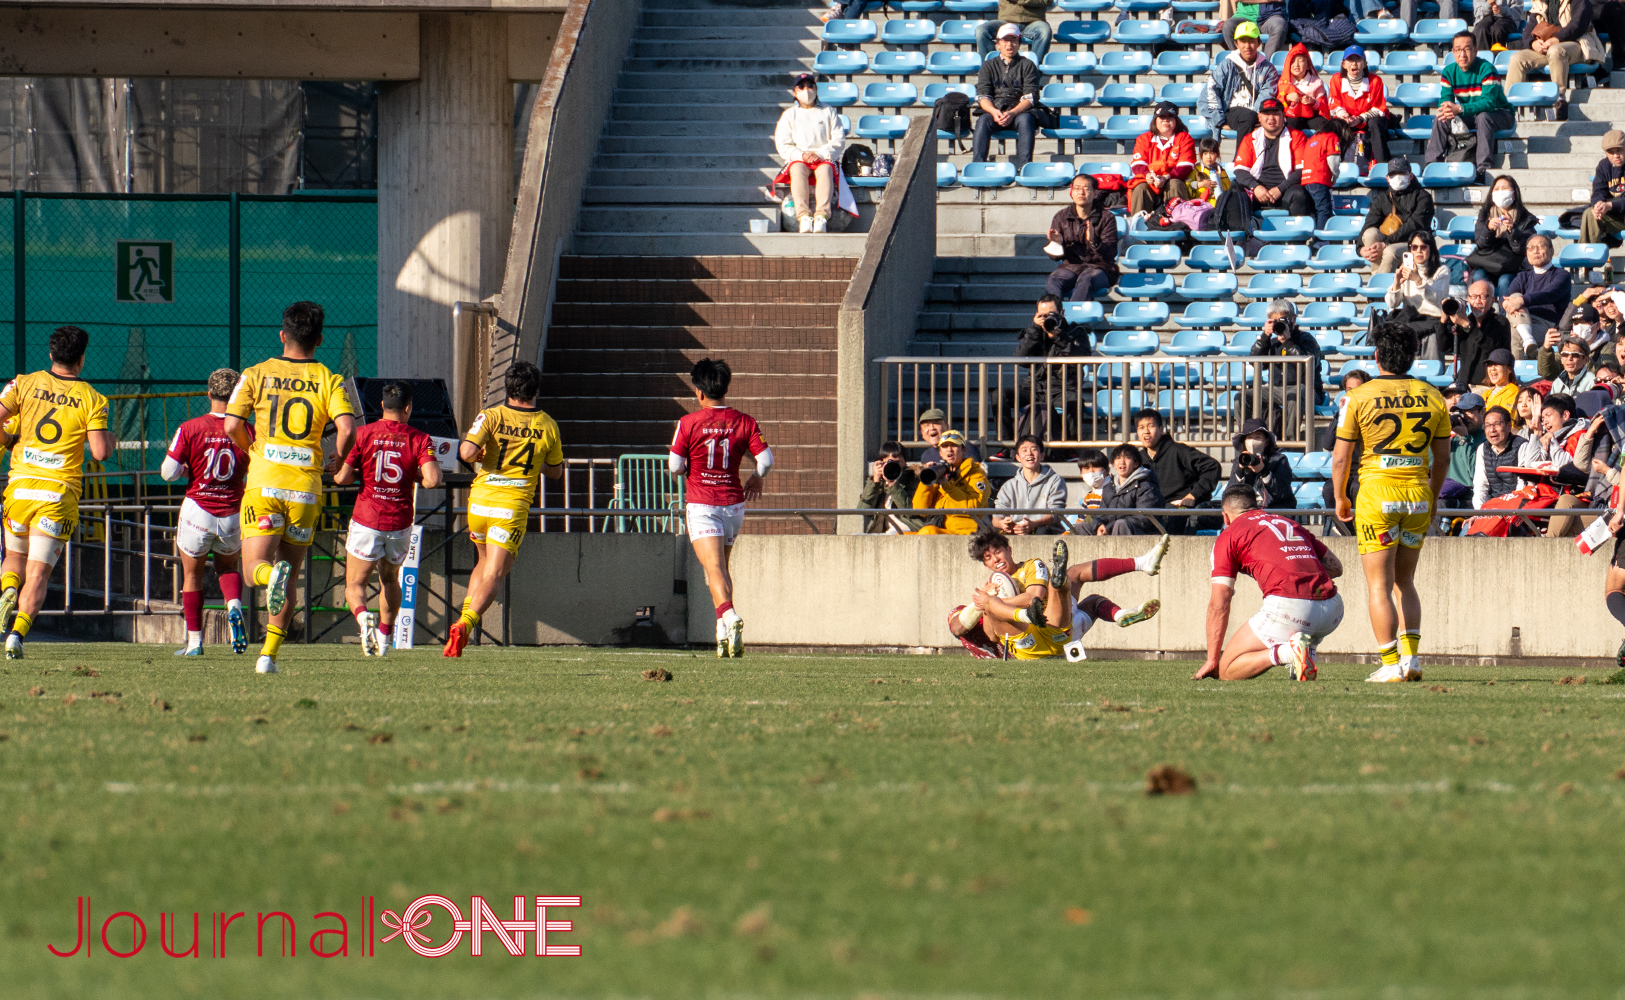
(277, 587)
(1058, 559)
(14, 646)
(1386, 674)
(266, 665)
(1144, 612)
(8, 608)
(239, 633)
(189, 651)
(456, 639)
(1151, 562)
(736, 635)
(1302, 667)
(368, 624)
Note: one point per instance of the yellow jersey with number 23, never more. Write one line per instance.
(1395, 419)
(290, 403)
(55, 414)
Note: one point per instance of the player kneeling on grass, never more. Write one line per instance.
(389, 457)
(215, 469)
(60, 413)
(515, 445)
(1026, 611)
(1294, 569)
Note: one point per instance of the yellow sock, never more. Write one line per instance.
(273, 641)
(1408, 643)
(21, 624)
(1389, 653)
(262, 574)
(470, 620)
(9, 581)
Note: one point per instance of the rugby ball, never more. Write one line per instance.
(1000, 585)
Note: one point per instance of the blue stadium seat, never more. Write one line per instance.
(1181, 95)
(1409, 63)
(1348, 175)
(1221, 404)
(1207, 315)
(1175, 63)
(1208, 286)
(904, 64)
(1128, 343)
(947, 175)
(972, 6)
(1127, 95)
(1212, 258)
(1142, 6)
(1112, 401)
(1279, 257)
(1125, 128)
(1268, 286)
(840, 62)
(988, 174)
(1417, 128)
(1547, 225)
(1337, 257)
(1197, 126)
(1151, 257)
(1314, 465)
(1074, 127)
(1430, 372)
(1138, 230)
(1196, 31)
(1084, 6)
(1380, 32)
(1532, 94)
(1096, 167)
(1330, 341)
(1069, 64)
(1327, 314)
(1583, 255)
(1355, 364)
(1340, 229)
(1285, 229)
(1252, 318)
(961, 64)
(1335, 285)
(1378, 286)
(919, 6)
(1218, 235)
(1138, 316)
(1045, 175)
(868, 182)
(1459, 228)
(849, 32)
(1086, 313)
(838, 95)
(935, 92)
(910, 32)
(1435, 31)
(957, 33)
(1080, 32)
(1351, 204)
(1143, 33)
(1308, 495)
(1415, 95)
(1446, 175)
(1525, 371)
(1125, 63)
(1190, 343)
(881, 127)
(1145, 285)
(1068, 95)
(890, 95)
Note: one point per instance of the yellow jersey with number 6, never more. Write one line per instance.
(518, 442)
(290, 403)
(55, 414)
(1395, 419)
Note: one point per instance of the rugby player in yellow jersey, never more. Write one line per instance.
(59, 414)
(290, 401)
(515, 445)
(1403, 431)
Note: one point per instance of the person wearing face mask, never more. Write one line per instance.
(809, 137)
(1479, 333)
(1536, 299)
(1603, 221)
(1093, 468)
(1259, 464)
(1610, 324)
(1474, 99)
(1420, 298)
(1500, 236)
(1398, 212)
(1584, 320)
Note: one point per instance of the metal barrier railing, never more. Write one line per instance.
(1091, 401)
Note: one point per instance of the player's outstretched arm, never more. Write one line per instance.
(102, 444)
(1218, 622)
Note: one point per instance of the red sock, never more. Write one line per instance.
(231, 585)
(1105, 569)
(1098, 608)
(192, 608)
(726, 607)
(386, 627)
(357, 612)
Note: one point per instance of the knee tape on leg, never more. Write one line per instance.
(43, 549)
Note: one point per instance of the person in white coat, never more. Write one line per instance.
(809, 136)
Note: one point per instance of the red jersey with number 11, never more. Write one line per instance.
(1280, 554)
(216, 467)
(388, 455)
(714, 440)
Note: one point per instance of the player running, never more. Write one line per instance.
(60, 413)
(515, 445)
(389, 457)
(215, 469)
(291, 400)
(707, 448)
(1403, 432)
(1294, 569)
(1026, 610)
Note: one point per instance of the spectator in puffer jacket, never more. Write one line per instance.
(1501, 448)
(809, 137)
(1130, 486)
(1241, 81)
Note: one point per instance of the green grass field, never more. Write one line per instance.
(814, 826)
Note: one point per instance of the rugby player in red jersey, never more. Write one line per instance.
(1294, 569)
(707, 448)
(215, 467)
(389, 457)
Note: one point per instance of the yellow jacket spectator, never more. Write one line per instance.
(959, 482)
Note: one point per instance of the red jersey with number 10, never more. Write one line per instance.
(1280, 554)
(216, 467)
(388, 455)
(714, 440)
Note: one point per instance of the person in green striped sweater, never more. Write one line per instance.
(1473, 96)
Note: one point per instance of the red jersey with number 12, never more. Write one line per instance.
(388, 454)
(216, 466)
(714, 440)
(1280, 554)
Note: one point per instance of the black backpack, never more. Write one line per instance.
(856, 157)
(952, 115)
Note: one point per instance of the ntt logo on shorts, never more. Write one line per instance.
(124, 933)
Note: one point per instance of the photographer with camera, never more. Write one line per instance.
(1049, 388)
(1284, 398)
(1261, 466)
(955, 481)
(891, 486)
(1466, 438)
(1033, 486)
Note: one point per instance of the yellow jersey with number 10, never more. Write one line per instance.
(518, 443)
(290, 403)
(1396, 419)
(55, 414)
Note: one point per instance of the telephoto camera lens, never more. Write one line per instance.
(1450, 307)
(931, 473)
(891, 470)
(1052, 322)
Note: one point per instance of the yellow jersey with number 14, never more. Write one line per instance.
(1395, 419)
(518, 442)
(290, 402)
(55, 414)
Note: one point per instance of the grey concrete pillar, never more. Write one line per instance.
(445, 189)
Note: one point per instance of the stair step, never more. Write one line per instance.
(800, 291)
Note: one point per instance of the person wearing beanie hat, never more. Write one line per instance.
(1239, 82)
(1260, 464)
(1358, 104)
(1163, 158)
(1605, 219)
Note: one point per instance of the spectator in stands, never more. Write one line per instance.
(1559, 34)
(1087, 235)
(1241, 81)
(1006, 89)
(1420, 297)
(1478, 105)
(1500, 236)
(1283, 397)
(1526, 418)
(1093, 470)
(1398, 212)
(1163, 158)
(1358, 104)
(1303, 93)
(1184, 476)
(1500, 388)
(1269, 163)
(1208, 180)
(1610, 21)
(1596, 456)
(1583, 320)
(1033, 486)
(1536, 298)
(933, 424)
(1261, 465)
(1049, 335)
(1480, 332)
(1267, 19)
(1571, 372)
(959, 482)
(1494, 23)
(1130, 486)
(1028, 18)
(1466, 436)
(1560, 429)
(1453, 393)
(1607, 326)
(1322, 158)
(809, 137)
(1408, 11)
(891, 487)
(1604, 220)
(1501, 448)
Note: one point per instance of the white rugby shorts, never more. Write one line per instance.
(1281, 617)
(372, 545)
(705, 521)
(201, 532)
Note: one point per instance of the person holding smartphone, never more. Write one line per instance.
(1420, 297)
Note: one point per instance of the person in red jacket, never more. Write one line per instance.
(1269, 163)
(1322, 157)
(1359, 106)
(1163, 158)
(1302, 93)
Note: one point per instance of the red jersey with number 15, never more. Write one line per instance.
(216, 466)
(388, 455)
(1280, 554)
(714, 440)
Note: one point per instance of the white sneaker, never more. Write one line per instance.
(1410, 668)
(1151, 562)
(1386, 675)
(820, 224)
(266, 665)
(806, 224)
(383, 639)
(367, 622)
(14, 646)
